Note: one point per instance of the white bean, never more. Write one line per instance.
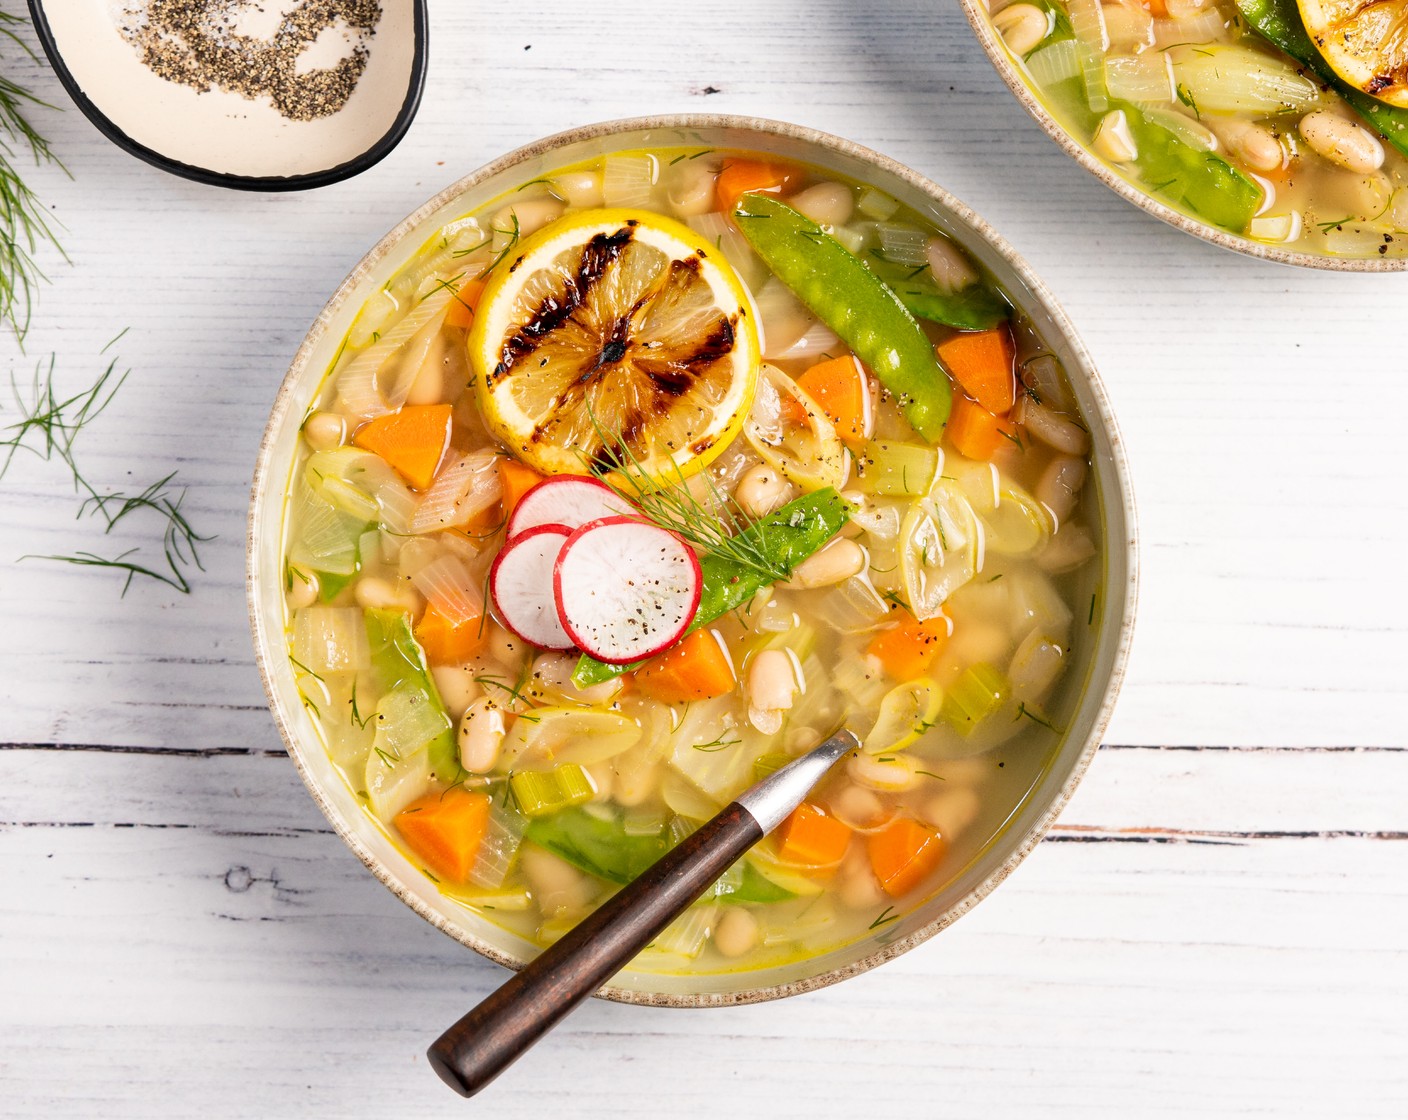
(1058, 488)
(827, 204)
(690, 189)
(603, 777)
(376, 594)
(761, 491)
(524, 217)
(839, 560)
(888, 773)
(858, 807)
(952, 811)
(1113, 138)
(558, 887)
(457, 687)
(481, 735)
(737, 932)
(1342, 142)
(325, 430)
(581, 189)
(1069, 547)
(506, 648)
(858, 887)
(772, 686)
(1051, 428)
(1254, 144)
(949, 265)
(301, 589)
(1022, 27)
(1036, 666)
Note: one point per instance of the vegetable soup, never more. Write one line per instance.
(635, 484)
(1230, 110)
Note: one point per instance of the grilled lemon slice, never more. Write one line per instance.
(615, 339)
(1365, 42)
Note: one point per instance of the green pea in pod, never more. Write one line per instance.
(849, 298)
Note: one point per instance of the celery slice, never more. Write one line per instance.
(540, 792)
(977, 694)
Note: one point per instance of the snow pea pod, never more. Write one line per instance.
(601, 846)
(974, 308)
(1279, 22)
(842, 291)
(785, 538)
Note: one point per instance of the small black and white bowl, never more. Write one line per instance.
(221, 137)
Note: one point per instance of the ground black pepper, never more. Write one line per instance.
(200, 43)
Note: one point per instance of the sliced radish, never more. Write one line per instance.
(521, 583)
(566, 499)
(625, 589)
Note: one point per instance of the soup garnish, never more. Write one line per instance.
(633, 485)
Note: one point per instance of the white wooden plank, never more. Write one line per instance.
(1128, 792)
(1103, 977)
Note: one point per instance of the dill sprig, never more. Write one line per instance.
(48, 428)
(24, 223)
(716, 527)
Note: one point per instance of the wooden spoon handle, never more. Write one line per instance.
(491, 1037)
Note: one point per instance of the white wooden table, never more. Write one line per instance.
(1218, 926)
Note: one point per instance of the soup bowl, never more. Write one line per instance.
(1093, 681)
(1339, 245)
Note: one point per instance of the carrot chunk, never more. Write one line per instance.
(981, 361)
(910, 649)
(749, 176)
(839, 386)
(446, 642)
(808, 836)
(412, 440)
(460, 312)
(516, 480)
(974, 431)
(445, 830)
(903, 853)
(696, 668)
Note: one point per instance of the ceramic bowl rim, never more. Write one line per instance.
(377, 151)
(764, 128)
(981, 23)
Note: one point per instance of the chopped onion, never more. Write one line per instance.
(627, 180)
(902, 243)
(1092, 41)
(1052, 65)
(1208, 26)
(818, 340)
(1140, 78)
(331, 639)
(1189, 131)
(685, 936)
(1232, 79)
(876, 204)
(449, 588)
(461, 491)
(359, 383)
(407, 719)
(500, 844)
(326, 536)
(718, 230)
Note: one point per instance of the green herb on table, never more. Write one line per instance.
(49, 426)
(24, 223)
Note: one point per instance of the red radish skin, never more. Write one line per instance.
(565, 499)
(626, 589)
(521, 585)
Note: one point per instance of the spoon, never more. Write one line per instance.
(496, 1033)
